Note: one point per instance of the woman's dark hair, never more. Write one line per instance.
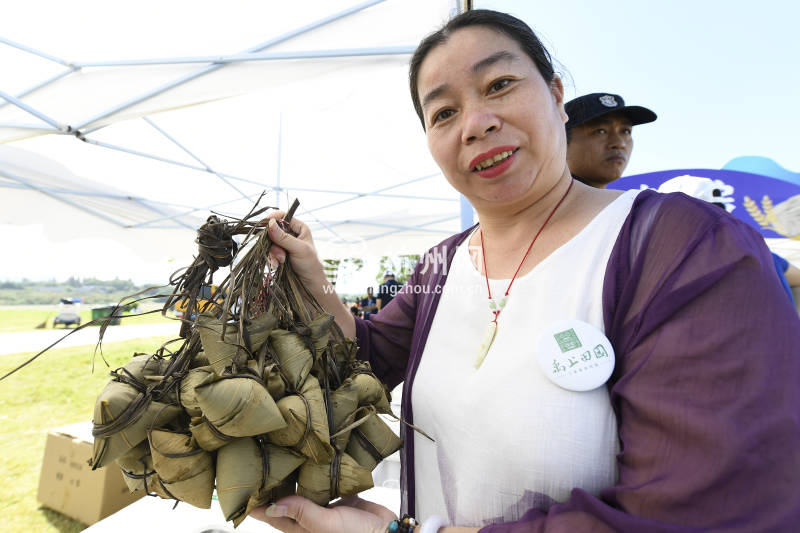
(512, 27)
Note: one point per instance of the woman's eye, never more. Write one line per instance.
(444, 114)
(600, 131)
(499, 85)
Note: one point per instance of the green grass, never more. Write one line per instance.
(26, 319)
(57, 389)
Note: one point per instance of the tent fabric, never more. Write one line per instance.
(29, 172)
(81, 99)
(338, 131)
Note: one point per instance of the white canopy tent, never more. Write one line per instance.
(135, 126)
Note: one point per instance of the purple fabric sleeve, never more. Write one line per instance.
(706, 383)
(385, 340)
(394, 339)
(706, 388)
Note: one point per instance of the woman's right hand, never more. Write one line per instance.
(308, 267)
(305, 262)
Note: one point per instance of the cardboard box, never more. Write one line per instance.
(69, 485)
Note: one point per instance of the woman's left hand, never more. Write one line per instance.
(295, 514)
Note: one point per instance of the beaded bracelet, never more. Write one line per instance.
(403, 525)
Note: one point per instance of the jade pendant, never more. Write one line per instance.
(488, 339)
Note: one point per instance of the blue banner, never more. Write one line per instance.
(770, 205)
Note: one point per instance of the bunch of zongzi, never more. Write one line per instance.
(264, 397)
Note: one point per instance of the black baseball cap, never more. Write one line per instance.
(591, 106)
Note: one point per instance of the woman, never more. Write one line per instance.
(697, 427)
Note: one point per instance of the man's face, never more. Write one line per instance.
(598, 150)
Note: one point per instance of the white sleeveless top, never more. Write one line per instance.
(507, 438)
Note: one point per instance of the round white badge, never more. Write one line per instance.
(575, 355)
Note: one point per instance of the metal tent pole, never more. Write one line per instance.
(25, 126)
(211, 68)
(376, 191)
(44, 83)
(401, 227)
(33, 51)
(35, 187)
(278, 171)
(467, 213)
(38, 114)
(268, 56)
(417, 227)
(245, 180)
(207, 168)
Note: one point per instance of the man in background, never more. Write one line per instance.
(600, 136)
(600, 143)
(387, 289)
(369, 304)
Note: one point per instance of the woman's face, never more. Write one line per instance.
(494, 126)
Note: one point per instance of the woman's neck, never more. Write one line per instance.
(509, 228)
(507, 235)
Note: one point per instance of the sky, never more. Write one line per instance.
(721, 75)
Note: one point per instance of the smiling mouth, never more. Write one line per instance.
(492, 161)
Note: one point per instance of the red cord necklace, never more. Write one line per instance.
(497, 307)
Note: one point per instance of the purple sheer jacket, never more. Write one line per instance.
(706, 387)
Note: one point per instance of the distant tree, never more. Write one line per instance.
(121, 284)
(332, 267)
(401, 265)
